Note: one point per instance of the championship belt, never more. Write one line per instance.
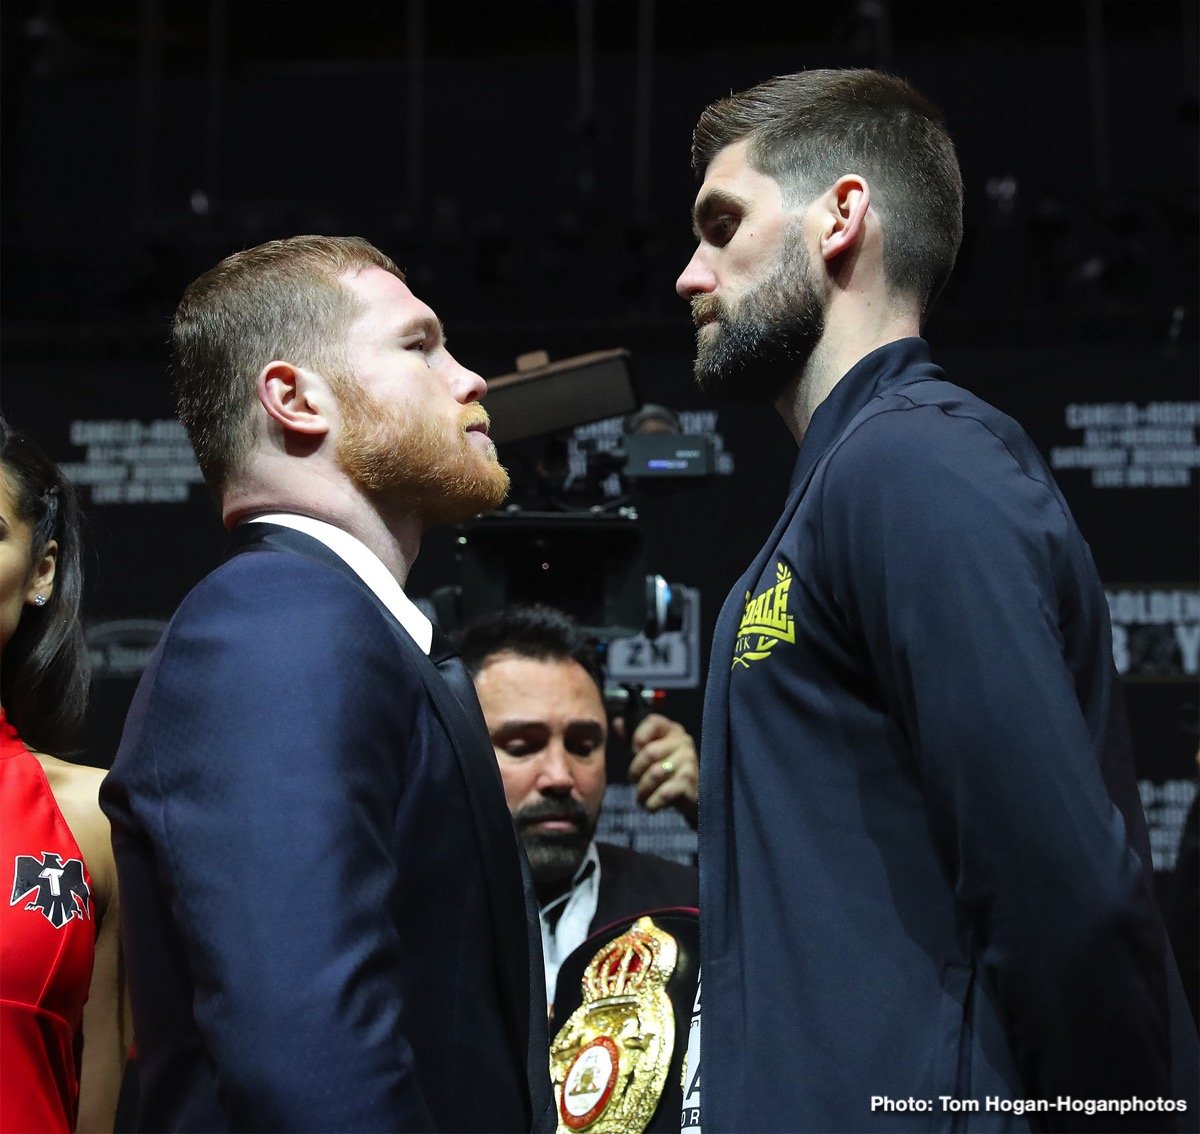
(609, 1061)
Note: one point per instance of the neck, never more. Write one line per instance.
(846, 341)
(395, 539)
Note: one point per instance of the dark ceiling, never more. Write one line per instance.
(105, 35)
(528, 158)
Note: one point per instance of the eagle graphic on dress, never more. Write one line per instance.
(57, 888)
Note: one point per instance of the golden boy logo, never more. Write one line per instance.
(765, 621)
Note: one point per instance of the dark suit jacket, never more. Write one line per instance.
(324, 911)
(633, 883)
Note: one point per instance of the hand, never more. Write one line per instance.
(665, 768)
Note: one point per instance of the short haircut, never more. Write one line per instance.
(808, 129)
(46, 673)
(537, 632)
(281, 300)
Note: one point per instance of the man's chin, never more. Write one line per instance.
(738, 372)
(490, 488)
(467, 496)
(718, 374)
(565, 846)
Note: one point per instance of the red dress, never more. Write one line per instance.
(47, 944)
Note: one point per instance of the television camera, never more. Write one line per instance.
(563, 540)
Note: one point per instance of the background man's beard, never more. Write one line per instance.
(552, 865)
(752, 352)
(434, 472)
(554, 856)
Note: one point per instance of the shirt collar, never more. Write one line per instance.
(570, 930)
(587, 872)
(366, 565)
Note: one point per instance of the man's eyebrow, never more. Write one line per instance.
(434, 328)
(537, 722)
(714, 202)
(520, 723)
(586, 726)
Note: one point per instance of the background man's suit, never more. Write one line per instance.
(634, 883)
(326, 919)
(631, 884)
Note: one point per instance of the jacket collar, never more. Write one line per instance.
(885, 367)
(365, 564)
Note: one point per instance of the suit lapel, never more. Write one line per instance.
(508, 896)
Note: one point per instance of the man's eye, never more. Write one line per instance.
(721, 230)
(419, 345)
(517, 748)
(582, 748)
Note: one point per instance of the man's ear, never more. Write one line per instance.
(844, 214)
(296, 398)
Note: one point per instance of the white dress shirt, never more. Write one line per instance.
(563, 936)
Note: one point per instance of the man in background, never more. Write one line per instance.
(541, 691)
(326, 918)
(926, 876)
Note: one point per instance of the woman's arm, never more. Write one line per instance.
(107, 1024)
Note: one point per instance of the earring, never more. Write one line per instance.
(39, 600)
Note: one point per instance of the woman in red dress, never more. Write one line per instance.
(64, 1030)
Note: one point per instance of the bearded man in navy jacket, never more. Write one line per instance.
(328, 918)
(925, 875)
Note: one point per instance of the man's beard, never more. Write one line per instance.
(554, 856)
(418, 464)
(756, 348)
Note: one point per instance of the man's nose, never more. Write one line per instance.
(697, 278)
(554, 774)
(466, 385)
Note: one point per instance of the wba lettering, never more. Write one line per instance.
(765, 621)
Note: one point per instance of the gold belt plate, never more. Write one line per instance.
(609, 1061)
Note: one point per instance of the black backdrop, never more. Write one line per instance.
(527, 162)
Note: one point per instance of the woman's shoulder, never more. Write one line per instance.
(75, 786)
(76, 790)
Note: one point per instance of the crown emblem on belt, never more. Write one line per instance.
(626, 964)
